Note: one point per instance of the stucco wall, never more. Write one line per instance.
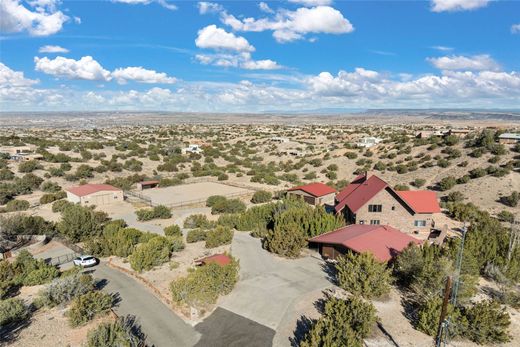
(326, 199)
(102, 198)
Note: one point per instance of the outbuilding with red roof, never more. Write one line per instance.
(94, 194)
(315, 193)
(383, 241)
(220, 259)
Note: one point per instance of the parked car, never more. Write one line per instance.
(85, 261)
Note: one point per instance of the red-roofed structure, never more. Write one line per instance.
(370, 200)
(383, 241)
(315, 193)
(220, 259)
(94, 194)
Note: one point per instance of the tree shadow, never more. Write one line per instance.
(409, 309)
(331, 272)
(100, 284)
(303, 325)
(10, 332)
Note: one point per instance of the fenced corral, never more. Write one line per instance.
(189, 194)
(63, 259)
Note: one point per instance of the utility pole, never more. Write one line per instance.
(441, 331)
(513, 239)
(458, 266)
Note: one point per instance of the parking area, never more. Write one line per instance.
(186, 194)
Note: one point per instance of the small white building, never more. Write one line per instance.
(279, 139)
(192, 149)
(367, 142)
(94, 194)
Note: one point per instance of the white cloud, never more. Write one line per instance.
(42, 18)
(312, 3)
(139, 74)
(11, 78)
(163, 3)
(457, 5)
(241, 60)
(53, 49)
(442, 48)
(459, 62)
(515, 28)
(219, 39)
(294, 25)
(89, 69)
(264, 7)
(84, 69)
(209, 7)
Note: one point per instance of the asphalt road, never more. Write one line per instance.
(162, 327)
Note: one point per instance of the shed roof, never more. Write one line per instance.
(315, 189)
(383, 241)
(515, 136)
(88, 189)
(220, 259)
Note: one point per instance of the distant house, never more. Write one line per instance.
(367, 142)
(279, 139)
(314, 193)
(220, 259)
(370, 200)
(192, 149)
(458, 132)
(383, 241)
(94, 194)
(509, 138)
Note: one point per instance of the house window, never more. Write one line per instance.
(419, 223)
(375, 222)
(393, 208)
(375, 208)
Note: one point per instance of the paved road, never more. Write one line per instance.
(162, 327)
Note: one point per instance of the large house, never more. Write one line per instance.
(383, 241)
(370, 200)
(314, 193)
(94, 194)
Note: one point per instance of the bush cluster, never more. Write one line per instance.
(155, 252)
(261, 196)
(158, 212)
(220, 204)
(218, 236)
(87, 306)
(123, 332)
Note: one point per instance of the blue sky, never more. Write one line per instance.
(252, 56)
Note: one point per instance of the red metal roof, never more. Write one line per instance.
(315, 189)
(350, 188)
(383, 241)
(357, 195)
(87, 189)
(421, 201)
(220, 259)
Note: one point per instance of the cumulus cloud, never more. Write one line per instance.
(11, 78)
(289, 26)
(164, 3)
(457, 5)
(264, 7)
(242, 60)
(139, 74)
(52, 49)
(216, 38)
(39, 18)
(89, 69)
(472, 63)
(515, 28)
(209, 7)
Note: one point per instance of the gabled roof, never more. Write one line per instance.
(360, 193)
(220, 259)
(350, 187)
(383, 241)
(315, 189)
(421, 201)
(87, 189)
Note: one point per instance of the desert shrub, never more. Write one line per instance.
(86, 307)
(463, 180)
(173, 230)
(20, 224)
(64, 289)
(261, 196)
(12, 311)
(447, 183)
(157, 212)
(153, 253)
(362, 274)
(488, 323)
(215, 199)
(42, 274)
(228, 206)
(511, 200)
(60, 205)
(26, 270)
(204, 285)
(80, 223)
(418, 182)
(6, 175)
(218, 237)
(506, 216)
(17, 205)
(123, 332)
(455, 196)
(401, 187)
(196, 235)
(477, 173)
(286, 240)
(428, 315)
(29, 166)
(50, 187)
(197, 221)
(343, 323)
(117, 240)
(51, 197)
